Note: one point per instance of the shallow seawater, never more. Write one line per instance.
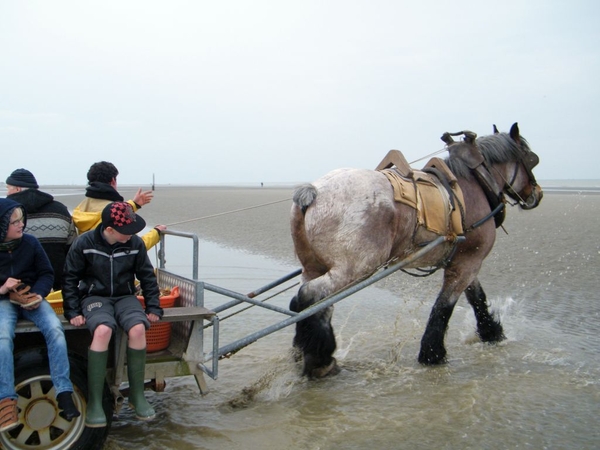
(537, 389)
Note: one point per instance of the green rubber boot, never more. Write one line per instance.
(136, 365)
(94, 414)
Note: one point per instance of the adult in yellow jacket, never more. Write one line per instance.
(102, 190)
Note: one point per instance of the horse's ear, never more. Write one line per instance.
(496, 129)
(515, 133)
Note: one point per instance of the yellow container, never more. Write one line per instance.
(56, 301)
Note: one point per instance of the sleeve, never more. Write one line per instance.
(44, 272)
(148, 283)
(151, 238)
(134, 205)
(74, 269)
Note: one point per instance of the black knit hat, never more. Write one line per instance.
(120, 217)
(22, 178)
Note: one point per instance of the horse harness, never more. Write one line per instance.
(435, 195)
(395, 167)
(468, 152)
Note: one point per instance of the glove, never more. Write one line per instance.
(22, 297)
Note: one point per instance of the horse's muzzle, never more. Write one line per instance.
(534, 199)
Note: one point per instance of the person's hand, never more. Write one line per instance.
(77, 321)
(153, 317)
(160, 228)
(9, 285)
(36, 302)
(20, 295)
(143, 198)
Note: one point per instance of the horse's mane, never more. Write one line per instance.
(496, 149)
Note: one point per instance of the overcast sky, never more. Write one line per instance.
(285, 91)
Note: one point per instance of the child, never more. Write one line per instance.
(99, 290)
(26, 277)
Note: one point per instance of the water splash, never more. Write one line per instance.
(276, 382)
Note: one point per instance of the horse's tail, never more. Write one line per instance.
(304, 196)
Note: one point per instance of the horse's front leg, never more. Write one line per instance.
(489, 329)
(432, 343)
(456, 279)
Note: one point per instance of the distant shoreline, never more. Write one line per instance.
(549, 186)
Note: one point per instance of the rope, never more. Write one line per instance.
(228, 212)
(430, 155)
(277, 201)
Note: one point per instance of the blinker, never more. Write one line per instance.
(530, 160)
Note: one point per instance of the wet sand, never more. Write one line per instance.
(537, 389)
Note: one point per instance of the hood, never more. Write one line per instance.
(103, 191)
(6, 209)
(32, 199)
(86, 221)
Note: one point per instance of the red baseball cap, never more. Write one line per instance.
(121, 217)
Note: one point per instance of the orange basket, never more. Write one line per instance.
(158, 337)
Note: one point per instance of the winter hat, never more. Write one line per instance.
(22, 178)
(120, 217)
(7, 206)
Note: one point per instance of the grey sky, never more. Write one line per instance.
(282, 91)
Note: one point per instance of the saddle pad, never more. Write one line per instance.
(429, 197)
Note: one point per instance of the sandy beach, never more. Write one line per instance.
(537, 389)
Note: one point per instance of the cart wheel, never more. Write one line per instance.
(41, 427)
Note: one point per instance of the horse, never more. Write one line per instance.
(346, 225)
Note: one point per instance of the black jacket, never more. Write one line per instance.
(94, 267)
(50, 222)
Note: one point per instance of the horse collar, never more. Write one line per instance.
(493, 193)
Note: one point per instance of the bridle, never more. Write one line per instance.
(529, 160)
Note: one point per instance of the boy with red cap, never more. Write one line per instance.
(99, 290)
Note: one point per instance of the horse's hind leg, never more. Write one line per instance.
(314, 336)
(488, 328)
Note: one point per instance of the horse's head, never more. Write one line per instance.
(521, 185)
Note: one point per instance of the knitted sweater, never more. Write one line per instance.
(50, 222)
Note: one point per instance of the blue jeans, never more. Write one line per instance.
(49, 324)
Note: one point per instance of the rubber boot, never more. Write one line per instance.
(94, 414)
(136, 366)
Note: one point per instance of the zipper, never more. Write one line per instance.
(112, 272)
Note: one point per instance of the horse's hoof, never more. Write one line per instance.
(491, 333)
(431, 359)
(330, 370)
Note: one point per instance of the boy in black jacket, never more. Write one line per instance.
(99, 290)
